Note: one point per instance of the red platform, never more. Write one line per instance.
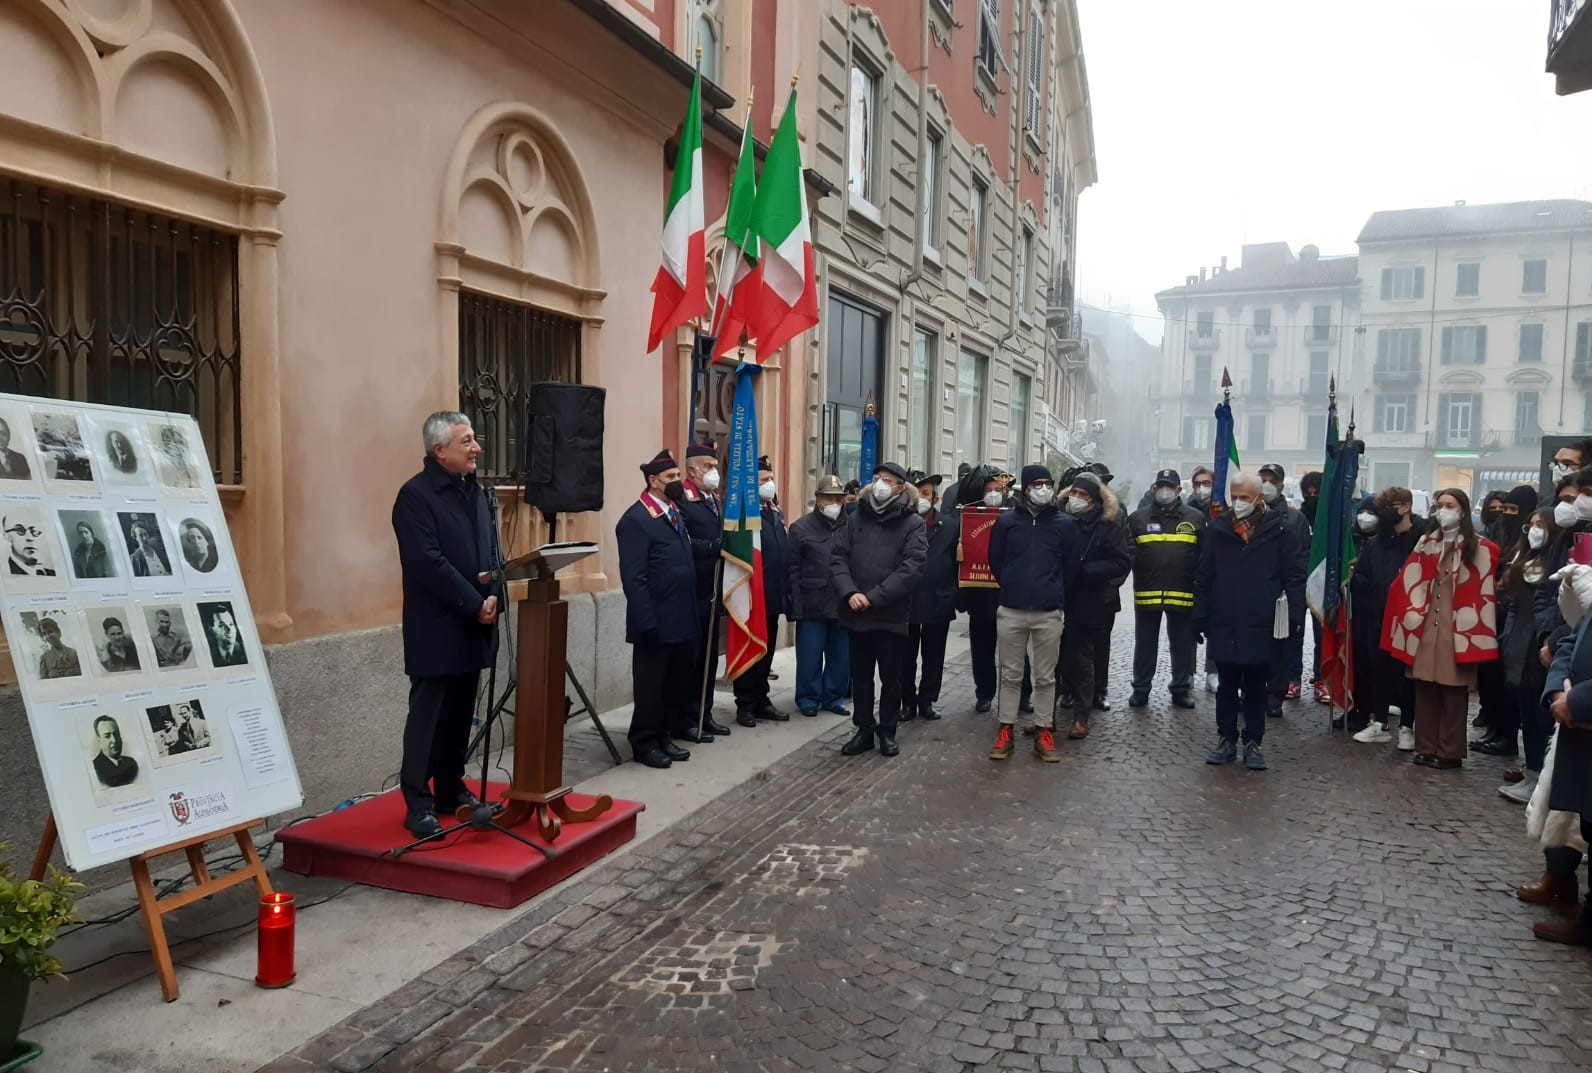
(483, 867)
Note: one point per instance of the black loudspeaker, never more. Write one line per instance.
(564, 448)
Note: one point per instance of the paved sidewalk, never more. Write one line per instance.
(356, 944)
(1129, 909)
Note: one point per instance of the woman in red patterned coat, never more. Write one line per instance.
(1442, 621)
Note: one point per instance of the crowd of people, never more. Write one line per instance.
(1442, 609)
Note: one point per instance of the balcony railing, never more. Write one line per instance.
(1321, 334)
(1400, 373)
(1527, 437)
(1260, 338)
(1199, 340)
(1443, 440)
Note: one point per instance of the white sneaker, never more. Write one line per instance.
(1406, 740)
(1211, 682)
(1373, 734)
(1520, 792)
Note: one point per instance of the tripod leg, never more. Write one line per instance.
(591, 709)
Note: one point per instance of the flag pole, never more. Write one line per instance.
(718, 284)
(1332, 702)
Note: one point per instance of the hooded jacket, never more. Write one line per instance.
(1166, 554)
(1033, 553)
(880, 553)
(1103, 562)
(812, 539)
(1237, 585)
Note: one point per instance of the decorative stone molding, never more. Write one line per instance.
(868, 31)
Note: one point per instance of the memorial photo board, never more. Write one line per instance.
(148, 696)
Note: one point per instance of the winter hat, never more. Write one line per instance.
(1035, 472)
(1523, 496)
(893, 469)
(1090, 483)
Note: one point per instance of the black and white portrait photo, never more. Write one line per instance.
(179, 730)
(115, 750)
(62, 453)
(222, 634)
(146, 547)
(51, 645)
(30, 547)
(110, 632)
(87, 545)
(13, 463)
(170, 637)
(174, 456)
(198, 545)
(119, 453)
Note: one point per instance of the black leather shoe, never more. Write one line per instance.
(717, 729)
(423, 825)
(983, 706)
(909, 712)
(839, 709)
(809, 712)
(1422, 760)
(463, 799)
(1101, 704)
(674, 752)
(887, 744)
(690, 734)
(861, 742)
(1447, 765)
(1182, 700)
(1497, 747)
(745, 719)
(653, 758)
(928, 712)
(1065, 699)
(1138, 700)
(772, 714)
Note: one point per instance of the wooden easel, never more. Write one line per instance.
(154, 909)
(537, 790)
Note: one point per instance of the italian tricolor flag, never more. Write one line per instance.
(786, 302)
(680, 289)
(740, 280)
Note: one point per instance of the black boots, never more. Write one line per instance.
(861, 742)
(887, 742)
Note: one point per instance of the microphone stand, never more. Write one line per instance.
(483, 814)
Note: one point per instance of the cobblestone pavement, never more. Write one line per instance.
(1129, 909)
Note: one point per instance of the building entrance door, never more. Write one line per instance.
(856, 370)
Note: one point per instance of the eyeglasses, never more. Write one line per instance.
(25, 530)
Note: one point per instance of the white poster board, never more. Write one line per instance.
(147, 691)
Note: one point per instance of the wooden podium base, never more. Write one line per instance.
(550, 810)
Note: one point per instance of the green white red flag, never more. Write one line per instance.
(680, 288)
(740, 280)
(785, 304)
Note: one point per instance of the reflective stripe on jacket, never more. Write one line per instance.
(1166, 552)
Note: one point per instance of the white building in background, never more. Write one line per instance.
(1478, 339)
(1281, 323)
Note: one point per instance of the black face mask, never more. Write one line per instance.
(674, 491)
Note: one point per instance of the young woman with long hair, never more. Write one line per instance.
(1441, 622)
(1525, 570)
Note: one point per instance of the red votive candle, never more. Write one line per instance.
(276, 941)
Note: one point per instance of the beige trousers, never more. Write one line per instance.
(1036, 635)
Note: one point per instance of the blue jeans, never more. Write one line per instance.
(823, 663)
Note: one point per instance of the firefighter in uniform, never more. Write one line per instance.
(1165, 538)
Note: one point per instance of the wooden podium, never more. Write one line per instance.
(537, 790)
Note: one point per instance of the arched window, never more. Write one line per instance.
(707, 39)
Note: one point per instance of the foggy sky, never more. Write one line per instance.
(1222, 122)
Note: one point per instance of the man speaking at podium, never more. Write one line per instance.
(444, 542)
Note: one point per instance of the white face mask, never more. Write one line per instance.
(1243, 508)
(1269, 491)
(1536, 536)
(1076, 505)
(1447, 517)
(1557, 471)
(1583, 507)
(1366, 521)
(767, 490)
(1041, 495)
(1165, 496)
(924, 506)
(993, 499)
(830, 510)
(1201, 493)
(710, 480)
(1563, 514)
(882, 490)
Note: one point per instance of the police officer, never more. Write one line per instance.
(704, 523)
(1166, 552)
(933, 605)
(751, 688)
(661, 622)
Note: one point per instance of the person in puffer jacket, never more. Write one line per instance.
(1096, 594)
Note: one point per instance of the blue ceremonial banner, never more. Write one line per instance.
(870, 446)
(1226, 452)
(741, 507)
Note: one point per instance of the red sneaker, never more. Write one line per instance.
(1045, 746)
(1003, 743)
(1293, 691)
(1322, 695)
